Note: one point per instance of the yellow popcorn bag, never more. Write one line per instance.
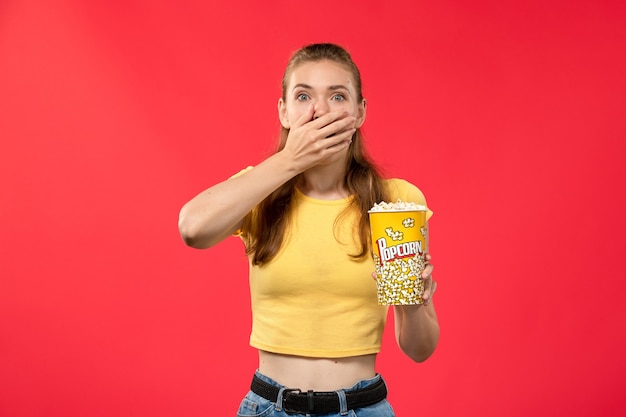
(399, 239)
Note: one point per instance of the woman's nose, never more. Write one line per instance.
(321, 108)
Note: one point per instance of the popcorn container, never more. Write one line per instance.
(399, 239)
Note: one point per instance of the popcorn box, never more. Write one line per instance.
(399, 238)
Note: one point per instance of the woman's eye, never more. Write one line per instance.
(338, 97)
(302, 97)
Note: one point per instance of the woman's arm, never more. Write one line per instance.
(218, 212)
(416, 326)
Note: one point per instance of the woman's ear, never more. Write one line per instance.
(282, 114)
(360, 114)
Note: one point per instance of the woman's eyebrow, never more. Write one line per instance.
(305, 86)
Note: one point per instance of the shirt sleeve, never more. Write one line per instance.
(242, 172)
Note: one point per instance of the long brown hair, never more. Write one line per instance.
(266, 226)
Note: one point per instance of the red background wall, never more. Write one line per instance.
(508, 115)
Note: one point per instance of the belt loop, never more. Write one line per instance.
(279, 399)
(343, 402)
(310, 403)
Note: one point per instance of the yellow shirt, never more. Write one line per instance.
(312, 299)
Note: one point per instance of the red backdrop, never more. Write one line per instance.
(508, 115)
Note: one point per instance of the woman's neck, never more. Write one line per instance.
(324, 182)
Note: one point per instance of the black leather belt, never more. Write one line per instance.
(319, 402)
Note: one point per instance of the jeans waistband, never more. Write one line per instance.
(294, 400)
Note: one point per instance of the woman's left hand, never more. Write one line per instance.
(430, 286)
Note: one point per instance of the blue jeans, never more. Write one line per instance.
(254, 405)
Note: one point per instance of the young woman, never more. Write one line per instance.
(302, 214)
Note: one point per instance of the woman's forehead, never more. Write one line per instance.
(321, 74)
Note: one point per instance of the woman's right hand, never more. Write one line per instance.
(311, 141)
(218, 211)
